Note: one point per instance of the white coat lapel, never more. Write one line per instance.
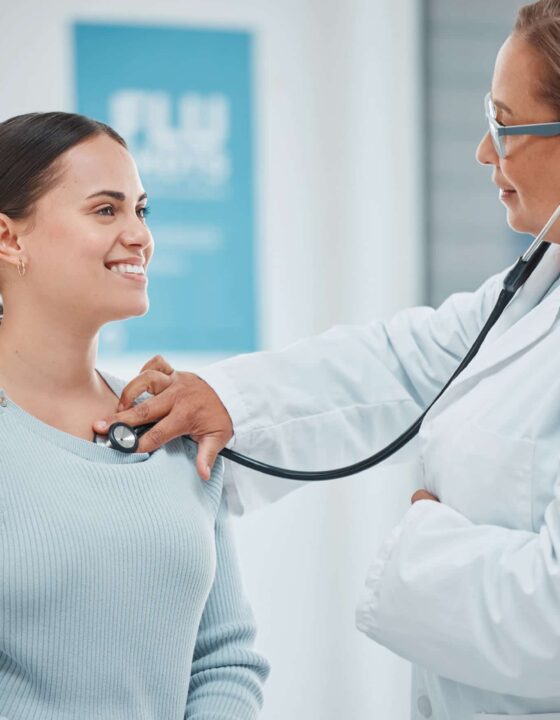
(530, 294)
(524, 321)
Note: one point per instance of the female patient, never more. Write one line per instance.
(119, 592)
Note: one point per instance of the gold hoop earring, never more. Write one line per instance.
(21, 267)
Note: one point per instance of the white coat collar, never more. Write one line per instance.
(530, 295)
(522, 323)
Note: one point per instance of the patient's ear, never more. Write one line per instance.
(10, 249)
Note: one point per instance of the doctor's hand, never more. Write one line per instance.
(422, 495)
(183, 404)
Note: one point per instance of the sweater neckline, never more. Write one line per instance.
(86, 449)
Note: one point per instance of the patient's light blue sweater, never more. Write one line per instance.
(119, 593)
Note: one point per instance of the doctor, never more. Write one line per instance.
(467, 586)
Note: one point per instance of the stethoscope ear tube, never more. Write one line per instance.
(390, 449)
(125, 437)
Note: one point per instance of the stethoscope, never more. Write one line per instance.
(125, 438)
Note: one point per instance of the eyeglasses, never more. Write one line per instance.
(498, 131)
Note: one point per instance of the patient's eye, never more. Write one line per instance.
(109, 211)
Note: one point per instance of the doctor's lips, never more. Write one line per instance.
(506, 192)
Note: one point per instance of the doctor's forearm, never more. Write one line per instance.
(408, 358)
(475, 603)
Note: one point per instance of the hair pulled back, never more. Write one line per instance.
(30, 146)
(539, 25)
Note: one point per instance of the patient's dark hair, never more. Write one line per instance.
(539, 25)
(30, 147)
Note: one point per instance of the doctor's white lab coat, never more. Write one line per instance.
(467, 589)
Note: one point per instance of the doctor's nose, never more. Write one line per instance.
(486, 153)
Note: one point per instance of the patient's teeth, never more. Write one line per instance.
(125, 268)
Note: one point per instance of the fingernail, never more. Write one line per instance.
(208, 470)
(101, 423)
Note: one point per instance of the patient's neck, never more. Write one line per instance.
(48, 357)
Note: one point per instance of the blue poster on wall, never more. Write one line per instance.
(181, 98)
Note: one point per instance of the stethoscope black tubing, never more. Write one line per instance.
(390, 449)
(513, 281)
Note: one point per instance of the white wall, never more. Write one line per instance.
(339, 219)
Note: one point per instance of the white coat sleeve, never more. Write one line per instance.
(478, 604)
(336, 398)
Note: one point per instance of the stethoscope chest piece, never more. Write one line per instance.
(122, 437)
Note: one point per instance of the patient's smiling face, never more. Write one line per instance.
(529, 177)
(72, 237)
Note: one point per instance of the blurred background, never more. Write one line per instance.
(308, 163)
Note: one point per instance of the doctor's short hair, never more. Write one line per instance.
(539, 25)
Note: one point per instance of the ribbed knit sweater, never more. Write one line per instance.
(120, 598)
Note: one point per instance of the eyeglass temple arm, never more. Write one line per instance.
(543, 129)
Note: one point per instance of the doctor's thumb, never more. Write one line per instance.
(208, 449)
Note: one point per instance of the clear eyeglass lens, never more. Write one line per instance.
(497, 140)
(491, 113)
(490, 108)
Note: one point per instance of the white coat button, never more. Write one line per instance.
(424, 706)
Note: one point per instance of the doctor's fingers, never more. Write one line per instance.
(158, 362)
(162, 432)
(190, 400)
(152, 381)
(143, 413)
(175, 424)
(208, 448)
(180, 410)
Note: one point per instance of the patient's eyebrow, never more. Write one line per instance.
(116, 195)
